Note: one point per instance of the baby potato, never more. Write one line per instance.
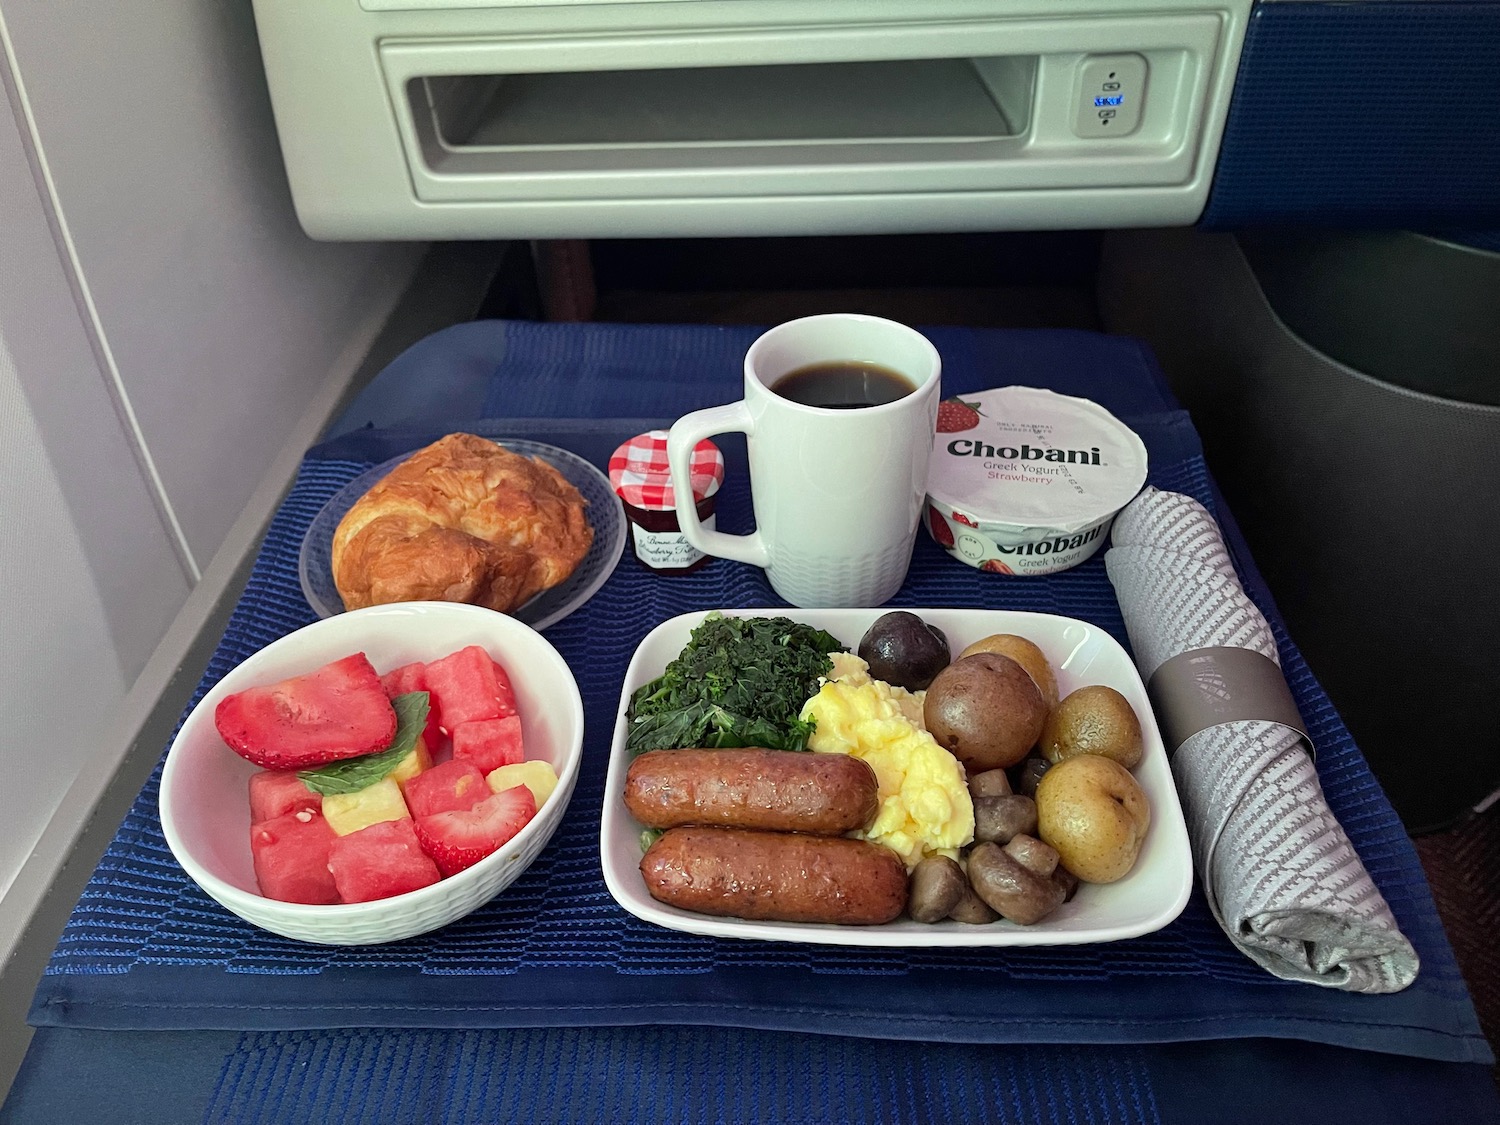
(1094, 720)
(1027, 655)
(1095, 814)
(986, 709)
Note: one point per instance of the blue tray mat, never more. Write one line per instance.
(145, 948)
(713, 1076)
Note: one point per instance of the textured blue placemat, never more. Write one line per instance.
(145, 948)
(718, 1076)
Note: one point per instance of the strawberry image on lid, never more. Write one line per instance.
(955, 415)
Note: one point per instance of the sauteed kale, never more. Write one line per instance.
(740, 681)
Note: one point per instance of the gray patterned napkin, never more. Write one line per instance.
(1277, 869)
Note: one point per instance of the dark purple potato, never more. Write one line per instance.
(905, 651)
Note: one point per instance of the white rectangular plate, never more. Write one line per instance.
(1148, 898)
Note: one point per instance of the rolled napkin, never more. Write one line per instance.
(1276, 867)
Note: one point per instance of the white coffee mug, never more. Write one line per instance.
(837, 491)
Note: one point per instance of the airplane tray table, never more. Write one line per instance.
(553, 1003)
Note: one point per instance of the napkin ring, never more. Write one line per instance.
(1207, 687)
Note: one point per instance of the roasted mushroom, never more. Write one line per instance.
(937, 885)
(971, 909)
(990, 783)
(1068, 880)
(997, 819)
(1035, 855)
(1018, 880)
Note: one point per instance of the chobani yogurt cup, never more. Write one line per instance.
(1027, 481)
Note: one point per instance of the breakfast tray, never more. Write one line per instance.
(145, 949)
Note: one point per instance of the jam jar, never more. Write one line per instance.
(639, 474)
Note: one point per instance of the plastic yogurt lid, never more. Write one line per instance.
(1026, 457)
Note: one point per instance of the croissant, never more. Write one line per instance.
(463, 520)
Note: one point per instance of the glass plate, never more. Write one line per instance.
(315, 561)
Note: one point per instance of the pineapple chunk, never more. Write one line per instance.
(538, 776)
(414, 763)
(349, 812)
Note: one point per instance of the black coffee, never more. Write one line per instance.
(843, 385)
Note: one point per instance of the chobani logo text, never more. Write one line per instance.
(1054, 546)
(968, 447)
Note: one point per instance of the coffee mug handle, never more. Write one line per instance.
(682, 439)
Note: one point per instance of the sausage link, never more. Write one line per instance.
(776, 790)
(776, 876)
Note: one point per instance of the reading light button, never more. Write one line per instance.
(1111, 92)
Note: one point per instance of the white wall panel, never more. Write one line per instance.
(56, 658)
(170, 341)
(81, 530)
(219, 313)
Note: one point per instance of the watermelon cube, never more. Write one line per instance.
(382, 860)
(409, 678)
(456, 784)
(275, 793)
(490, 743)
(462, 837)
(467, 685)
(291, 856)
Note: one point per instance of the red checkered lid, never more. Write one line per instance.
(638, 471)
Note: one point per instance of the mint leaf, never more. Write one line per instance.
(353, 774)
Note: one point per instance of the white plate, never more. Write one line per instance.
(1148, 898)
(315, 560)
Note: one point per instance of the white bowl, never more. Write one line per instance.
(1151, 895)
(204, 803)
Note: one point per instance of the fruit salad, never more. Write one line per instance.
(374, 785)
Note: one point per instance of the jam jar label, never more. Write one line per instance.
(666, 550)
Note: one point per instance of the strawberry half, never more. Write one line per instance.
(339, 711)
(462, 837)
(955, 415)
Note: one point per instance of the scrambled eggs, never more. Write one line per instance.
(925, 806)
